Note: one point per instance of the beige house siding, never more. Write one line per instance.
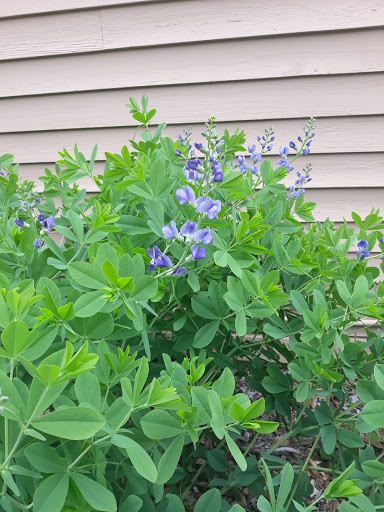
(67, 69)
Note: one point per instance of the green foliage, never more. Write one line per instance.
(121, 377)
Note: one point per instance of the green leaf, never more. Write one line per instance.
(51, 494)
(170, 460)
(379, 375)
(373, 413)
(328, 438)
(209, 501)
(374, 469)
(200, 400)
(285, 488)
(140, 459)
(225, 384)
(236, 452)
(89, 304)
(174, 504)
(205, 334)
(254, 410)
(14, 337)
(145, 288)
(87, 389)
(88, 276)
(159, 424)
(74, 423)
(44, 458)
(241, 323)
(95, 494)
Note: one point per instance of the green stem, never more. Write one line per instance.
(303, 469)
(22, 431)
(198, 473)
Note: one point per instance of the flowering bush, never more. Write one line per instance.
(155, 334)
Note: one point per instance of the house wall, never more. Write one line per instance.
(67, 69)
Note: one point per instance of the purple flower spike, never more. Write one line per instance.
(197, 253)
(204, 236)
(188, 228)
(179, 271)
(48, 223)
(178, 152)
(19, 222)
(381, 240)
(284, 151)
(186, 196)
(170, 233)
(37, 243)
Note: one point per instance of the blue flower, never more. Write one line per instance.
(163, 261)
(283, 162)
(19, 222)
(178, 152)
(269, 147)
(179, 271)
(256, 157)
(217, 172)
(197, 253)
(48, 223)
(306, 151)
(292, 145)
(284, 151)
(208, 206)
(193, 164)
(254, 169)
(41, 217)
(188, 228)
(242, 164)
(198, 145)
(170, 233)
(37, 243)
(37, 200)
(204, 236)
(363, 246)
(252, 148)
(381, 240)
(186, 196)
(158, 259)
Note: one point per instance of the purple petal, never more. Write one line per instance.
(188, 228)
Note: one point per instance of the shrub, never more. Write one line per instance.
(137, 322)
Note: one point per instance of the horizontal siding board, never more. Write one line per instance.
(333, 135)
(329, 171)
(26, 7)
(175, 22)
(312, 54)
(45, 35)
(340, 203)
(326, 96)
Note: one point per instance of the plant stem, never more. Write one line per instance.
(303, 469)
(23, 429)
